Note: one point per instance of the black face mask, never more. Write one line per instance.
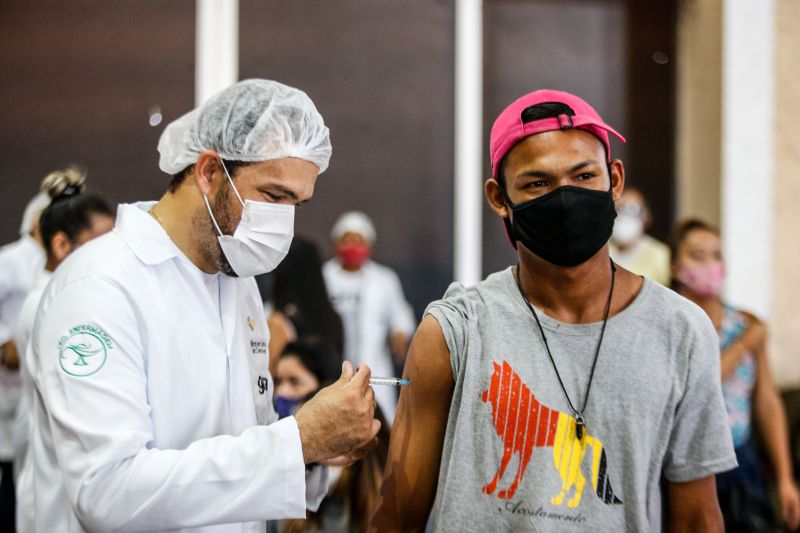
(566, 226)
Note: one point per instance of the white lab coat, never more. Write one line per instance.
(20, 265)
(153, 406)
(23, 467)
(378, 310)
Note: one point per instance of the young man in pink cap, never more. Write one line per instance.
(564, 393)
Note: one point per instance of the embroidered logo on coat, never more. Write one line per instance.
(84, 351)
(524, 424)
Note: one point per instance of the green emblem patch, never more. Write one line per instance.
(84, 351)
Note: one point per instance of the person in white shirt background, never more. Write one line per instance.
(631, 247)
(153, 402)
(72, 219)
(378, 321)
(20, 263)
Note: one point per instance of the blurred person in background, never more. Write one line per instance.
(153, 405)
(20, 263)
(303, 368)
(72, 218)
(378, 321)
(630, 246)
(300, 303)
(698, 272)
(353, 492)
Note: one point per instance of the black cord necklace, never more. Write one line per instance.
(580, 422)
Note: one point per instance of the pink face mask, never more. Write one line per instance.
(703, 280)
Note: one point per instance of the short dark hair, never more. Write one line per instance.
(530, 114)
(678, 234)
(318, 356)
(299, 291)
(179, 178)
(71, 213)
(683, 228)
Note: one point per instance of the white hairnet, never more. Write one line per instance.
(33, 211)
(354, 222)
(253, 120)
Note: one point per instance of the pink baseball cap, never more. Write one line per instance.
(511, 126)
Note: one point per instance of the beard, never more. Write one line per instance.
(210, 248)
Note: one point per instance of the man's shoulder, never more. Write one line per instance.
(671, 309)
(10, 248)
(375, 268)
(330, 266)
(106, 257)
(466, 298)
(18, 250)
(656, 247)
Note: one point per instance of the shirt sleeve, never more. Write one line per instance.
(700, 444)
(5, 333)
(316, 486)
(27, 314)
(316, 476)
(453, 314)
(8, 280)
(98, 413)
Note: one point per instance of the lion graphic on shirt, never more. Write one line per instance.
(523, 424)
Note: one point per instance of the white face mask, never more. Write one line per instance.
(261, 239)
(627, 229)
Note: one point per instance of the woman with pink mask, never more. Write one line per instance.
(698, 273)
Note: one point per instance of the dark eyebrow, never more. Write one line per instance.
(290, 194)
(582, 164)
(282, 189)
(544, 174)
(277, 187)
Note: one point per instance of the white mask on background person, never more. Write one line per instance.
(262, 238)
(627, 229)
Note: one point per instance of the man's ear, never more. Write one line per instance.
(496, 198)
(617, 176)
(207, 172)
(60, 246)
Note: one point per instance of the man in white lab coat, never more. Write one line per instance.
(378, 321)
(153, 408)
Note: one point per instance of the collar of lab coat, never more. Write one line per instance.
(145, 237)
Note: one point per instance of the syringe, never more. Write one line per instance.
(394, 382)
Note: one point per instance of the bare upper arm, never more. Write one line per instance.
(750, 317)
(415, 449)
(693, 506)
(765, 395)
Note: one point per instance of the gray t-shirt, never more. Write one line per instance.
(655, 412)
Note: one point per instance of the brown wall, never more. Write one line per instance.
(79, 78)
(381, 73)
